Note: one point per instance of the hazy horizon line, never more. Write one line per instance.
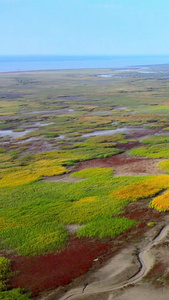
(85, 55)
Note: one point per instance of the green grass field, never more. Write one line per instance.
(40, 211)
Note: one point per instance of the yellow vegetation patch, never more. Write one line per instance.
(89, 107)
(17, 177)
(136, 117)
(164, 165)
(143, 189)
(24, 175)
(47, 168)
(95, 119)
(7, 224)
(4, 157)
(161, 203)
(35, 167)
(85, 200)
(85, 118)
(6, 114)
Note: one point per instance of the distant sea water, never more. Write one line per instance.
(55, 62)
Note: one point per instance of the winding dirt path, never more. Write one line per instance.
(146, 261)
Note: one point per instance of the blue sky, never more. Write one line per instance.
(84, 27)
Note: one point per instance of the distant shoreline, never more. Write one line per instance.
(17, 64)
(83, 69)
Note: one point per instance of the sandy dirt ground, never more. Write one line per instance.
(141, 292)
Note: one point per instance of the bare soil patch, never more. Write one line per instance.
(124, 165)
(62, 178)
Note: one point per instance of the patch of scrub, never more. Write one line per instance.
(106, 227)
(157, 139)
(100, 113)
(164, 165)
(154, 151)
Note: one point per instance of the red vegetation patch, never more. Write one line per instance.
(49, 271)
(140, 212)
(137, 212)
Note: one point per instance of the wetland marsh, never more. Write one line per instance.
(84, 178)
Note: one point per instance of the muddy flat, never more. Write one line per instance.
(125, 165)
